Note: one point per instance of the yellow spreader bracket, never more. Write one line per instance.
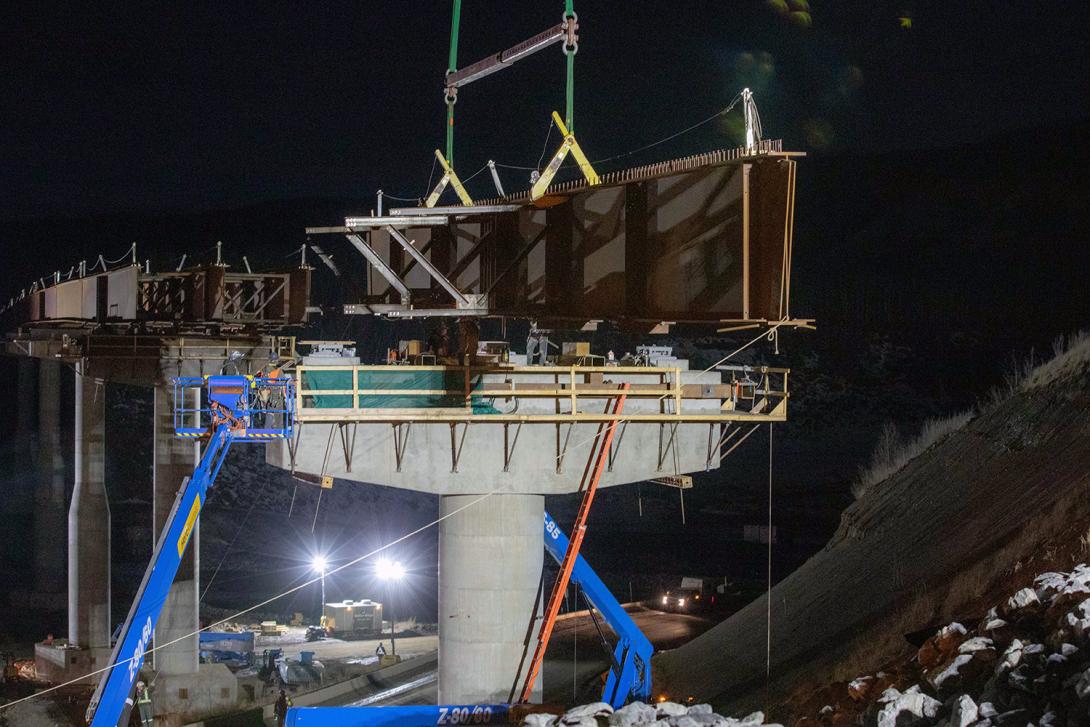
(449, 177)
(568, 145)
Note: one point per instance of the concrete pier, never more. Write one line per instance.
(89, 521)
(174, 460)
(50, 494)
(490, 558)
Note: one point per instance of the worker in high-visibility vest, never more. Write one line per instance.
(143, 704)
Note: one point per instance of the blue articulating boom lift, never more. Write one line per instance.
(629, 675)
(238, 409)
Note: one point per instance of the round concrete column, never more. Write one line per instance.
(89, 522)
(489, 571)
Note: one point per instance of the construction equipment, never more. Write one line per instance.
(569, 144)
(238, 409)
(596, 464)
(629, 676)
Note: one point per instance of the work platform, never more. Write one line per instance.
(409, 426)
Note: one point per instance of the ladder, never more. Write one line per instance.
(592, 473)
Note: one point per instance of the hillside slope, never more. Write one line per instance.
(938, 541)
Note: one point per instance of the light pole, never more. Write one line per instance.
(319, 565)
(387, 571)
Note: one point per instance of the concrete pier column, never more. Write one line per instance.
(174, 460)
(27, 383)
(49, 495)
(490, 558)
(89, 521)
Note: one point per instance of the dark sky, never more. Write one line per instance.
(106, 107)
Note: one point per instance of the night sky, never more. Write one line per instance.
(186, 106)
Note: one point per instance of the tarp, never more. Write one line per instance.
(395, 379)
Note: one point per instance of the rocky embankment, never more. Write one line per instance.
(962, 525)
(638, 714)
(1027, 661)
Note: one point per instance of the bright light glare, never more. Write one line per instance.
(665, 599)
(681, 601)
(389, 570)
(319, 564)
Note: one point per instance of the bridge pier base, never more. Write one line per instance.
(89, 533)
(490, 557)
(50, 495)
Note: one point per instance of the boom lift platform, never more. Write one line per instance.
(229, 409)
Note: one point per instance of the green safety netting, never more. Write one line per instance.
(393, 379)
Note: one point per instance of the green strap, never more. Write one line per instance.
(452, 66)
(569, 12)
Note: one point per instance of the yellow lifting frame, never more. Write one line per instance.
(568, 145)
(449, 177)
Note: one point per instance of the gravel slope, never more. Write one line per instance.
(934, 543)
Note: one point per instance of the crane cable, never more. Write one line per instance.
(768, 594)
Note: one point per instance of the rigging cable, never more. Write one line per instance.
(768, 595)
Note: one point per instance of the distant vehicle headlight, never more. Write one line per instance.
(665, 600)
(681, 601)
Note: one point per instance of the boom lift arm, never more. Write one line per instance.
(630, 671)
(232, 405)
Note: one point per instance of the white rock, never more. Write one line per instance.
(1082, 687)
(977, 643)
(1032, 649)
(889, 695)
(959, 661)
(1023, 598)
(994, 623)
(585, 721)
(595, 709)
(951, 629)
(635, 713)
(539, 720)
(1049, 584)
(753, 718)
(965, 712)
(1068, 649)
(670, 709)
(1011, 657)
(700, 720)
(917, 703)
(701, 709)
(987, 710)
(827, 709)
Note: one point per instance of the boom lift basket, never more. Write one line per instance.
(263, 406)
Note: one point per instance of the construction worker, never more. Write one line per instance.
(281, 708)
(380, 650)
(143, 704)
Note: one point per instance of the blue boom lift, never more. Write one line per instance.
(629, 675)
(230, 409)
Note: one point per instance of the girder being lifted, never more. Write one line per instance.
(695, 240)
